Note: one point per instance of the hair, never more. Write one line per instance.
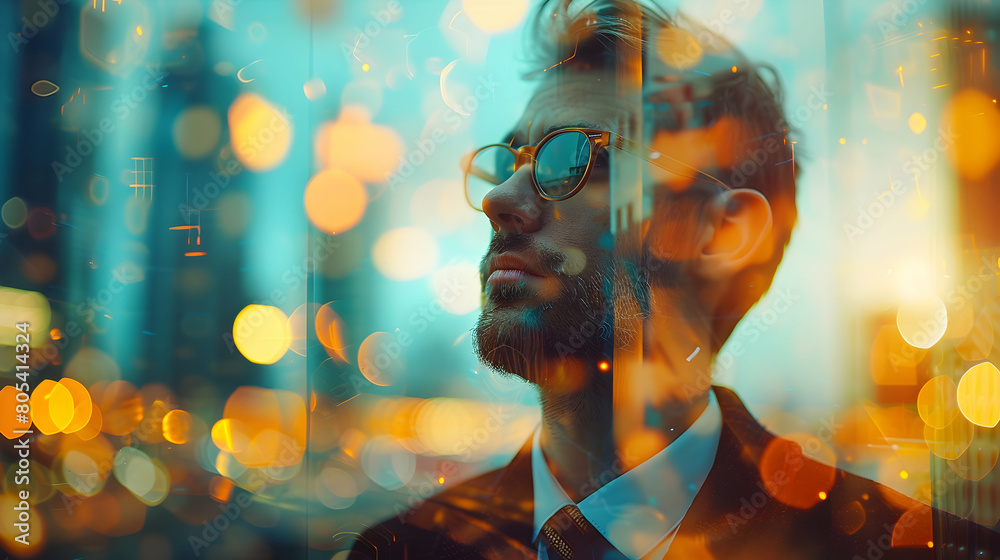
(574, 36)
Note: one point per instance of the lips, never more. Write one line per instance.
(510, 267)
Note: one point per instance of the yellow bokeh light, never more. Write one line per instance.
(495, 17)
(14, 213)
(922, 321)
(937, 403)
(335, 201)
(405, 254)
(262, 427)
(261, 333)
(678, 48)
(51, 407)
(177, 426)
(917, 123)
(979, 395)
(951, 441)
(230, 435)
(83, 406)
(352, 143)
(978, 344)
(258, 131)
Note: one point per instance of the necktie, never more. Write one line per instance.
(567, 535)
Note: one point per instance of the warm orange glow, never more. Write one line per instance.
(335, 201)
(790, 477)
(177, 426)
(230, 435)
(220, 489)
(822, 495)
(262, 427)
(915, 528)
(974, 119)
(979, 342)
(951, 441)
(259, 133)
(120, 404)
(55, 334)
(440, 480)
(641, 445)
(330, 331)
(9, 516)
(603, 366)
(8, 419)
(892, 360)
(51, 407)
(352, 143)
(937, 402)
(93, 427)
(678, 48)
(83, 406)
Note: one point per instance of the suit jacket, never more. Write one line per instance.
(797, 508)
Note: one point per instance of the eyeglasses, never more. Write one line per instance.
(561, 163)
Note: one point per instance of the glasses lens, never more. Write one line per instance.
(489, 167)
(561, 163)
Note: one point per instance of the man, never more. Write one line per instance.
(614, 301)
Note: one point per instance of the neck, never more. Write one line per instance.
(578, 424)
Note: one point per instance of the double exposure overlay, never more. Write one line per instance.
(491, 279)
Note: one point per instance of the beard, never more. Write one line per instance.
(516, 337)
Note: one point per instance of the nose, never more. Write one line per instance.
(515, 205)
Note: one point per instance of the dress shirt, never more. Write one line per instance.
(639, 512)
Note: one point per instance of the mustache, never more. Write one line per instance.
(549, 260)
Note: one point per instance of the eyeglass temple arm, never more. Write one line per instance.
(652, 156)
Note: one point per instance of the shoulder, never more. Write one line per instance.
(483, 517)
(796, 500)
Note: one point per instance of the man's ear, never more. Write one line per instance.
(738, 234)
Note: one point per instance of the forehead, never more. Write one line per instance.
(568, 99)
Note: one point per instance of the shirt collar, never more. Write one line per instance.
(639, 508)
